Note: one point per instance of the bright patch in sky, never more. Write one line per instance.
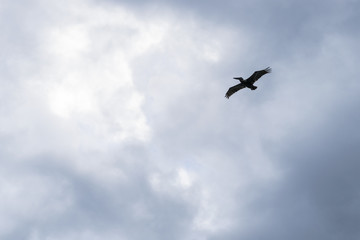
(88, 76)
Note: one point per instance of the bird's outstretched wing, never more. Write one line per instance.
(258, 74)
(234, 89)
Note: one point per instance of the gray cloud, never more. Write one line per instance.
(114, 123)
(317, 195)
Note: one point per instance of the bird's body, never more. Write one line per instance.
(249, 83)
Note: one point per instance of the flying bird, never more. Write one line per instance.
(249, 83)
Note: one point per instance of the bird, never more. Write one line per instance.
(249, 83)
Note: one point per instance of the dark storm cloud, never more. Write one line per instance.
(318, 195)
(276, 25)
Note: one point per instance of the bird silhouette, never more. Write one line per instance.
(249, 83)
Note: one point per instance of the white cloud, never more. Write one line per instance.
(79, 105)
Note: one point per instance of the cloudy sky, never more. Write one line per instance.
(114, 123)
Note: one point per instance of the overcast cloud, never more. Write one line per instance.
(114, 123)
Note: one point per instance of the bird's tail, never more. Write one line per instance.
(253, 87)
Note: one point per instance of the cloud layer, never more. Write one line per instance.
(114, 123)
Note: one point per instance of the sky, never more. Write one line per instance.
(114, 124)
